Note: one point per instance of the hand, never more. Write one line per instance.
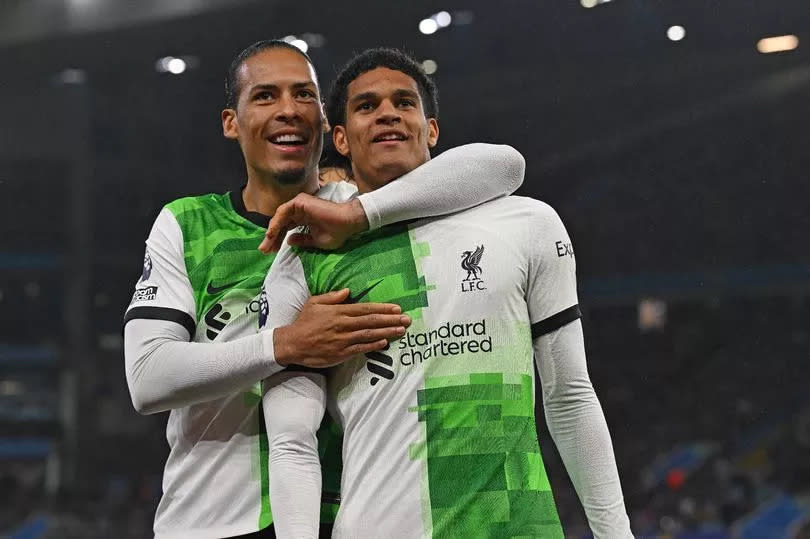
(330, 223)
(327, 332)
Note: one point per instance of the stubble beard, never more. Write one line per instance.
(291, 177)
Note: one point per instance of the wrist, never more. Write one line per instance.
(358, 220)
(282, 350)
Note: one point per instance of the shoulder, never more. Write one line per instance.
(337, 191)
(207, 202)
(529, 210)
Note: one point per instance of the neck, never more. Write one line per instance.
(265, 194)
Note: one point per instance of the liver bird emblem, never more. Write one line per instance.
(470, 263)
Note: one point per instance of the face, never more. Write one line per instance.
(278, 120)
(386, 133)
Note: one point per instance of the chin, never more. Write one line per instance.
(291, 175)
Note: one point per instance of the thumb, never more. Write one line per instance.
(331, 298)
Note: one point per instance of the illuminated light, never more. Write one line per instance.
(443, 19)
(162, 65)
(588, 3)
(314, 40)
(777, 44)
(175, 66)
(676, 33)
(428, 26)
(72, 76)
(463, 18)
(300, 44)
(430, 66)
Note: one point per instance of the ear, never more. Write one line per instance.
(433, 132)
(230, 128)
(341, 140)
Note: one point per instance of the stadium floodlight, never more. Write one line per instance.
(176, 66)
(770, 45)
(300, 44)
(428, 26)
(592, 3)
(676, 33)
(430, 66)
(443, 19)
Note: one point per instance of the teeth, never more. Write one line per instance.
(392, 136)
(287, 138)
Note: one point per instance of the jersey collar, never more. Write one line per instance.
(258, 219)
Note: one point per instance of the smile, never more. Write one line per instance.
(390, 136)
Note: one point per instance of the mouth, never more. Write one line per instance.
(390, 136)
(288, 139)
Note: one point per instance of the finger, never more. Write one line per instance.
(361, 309)
(272, 239)
(301, 240)
(330, 298)
(364, 348)
(374, 321)
(373, 335)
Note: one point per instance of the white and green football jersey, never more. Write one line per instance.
(439, 429)
(202, 270)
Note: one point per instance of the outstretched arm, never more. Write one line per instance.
(455, 180)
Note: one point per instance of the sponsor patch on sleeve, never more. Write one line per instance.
(147, 293)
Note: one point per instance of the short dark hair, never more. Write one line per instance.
(372, 59)
(232, 88)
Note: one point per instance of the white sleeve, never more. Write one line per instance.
(577, 425)
(573, 413)
(163, 369)
(294, 403)
(164, 291)
(455, 180)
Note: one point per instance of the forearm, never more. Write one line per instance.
(577, 425)
(164, 371)
(294, 404)
(455, 180)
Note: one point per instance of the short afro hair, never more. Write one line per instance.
(372, 59)
(232, 88)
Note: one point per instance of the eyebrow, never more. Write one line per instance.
(404, 92)
(296, 86)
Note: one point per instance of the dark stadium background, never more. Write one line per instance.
(680, 169)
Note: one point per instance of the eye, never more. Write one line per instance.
(407, 103)
(264, 95)
(306, 94)
(365, 107)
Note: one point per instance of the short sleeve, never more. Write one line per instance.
(163, 291)
(552, 289)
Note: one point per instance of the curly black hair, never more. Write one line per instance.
(372, 59)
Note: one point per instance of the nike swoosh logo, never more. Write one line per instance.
(217, 289)
(363, 293)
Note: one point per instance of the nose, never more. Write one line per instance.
(287, 108)
(387, 113)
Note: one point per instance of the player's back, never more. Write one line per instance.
(439, 429)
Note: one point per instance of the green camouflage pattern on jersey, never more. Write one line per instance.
(482, 422)
(223, 261)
